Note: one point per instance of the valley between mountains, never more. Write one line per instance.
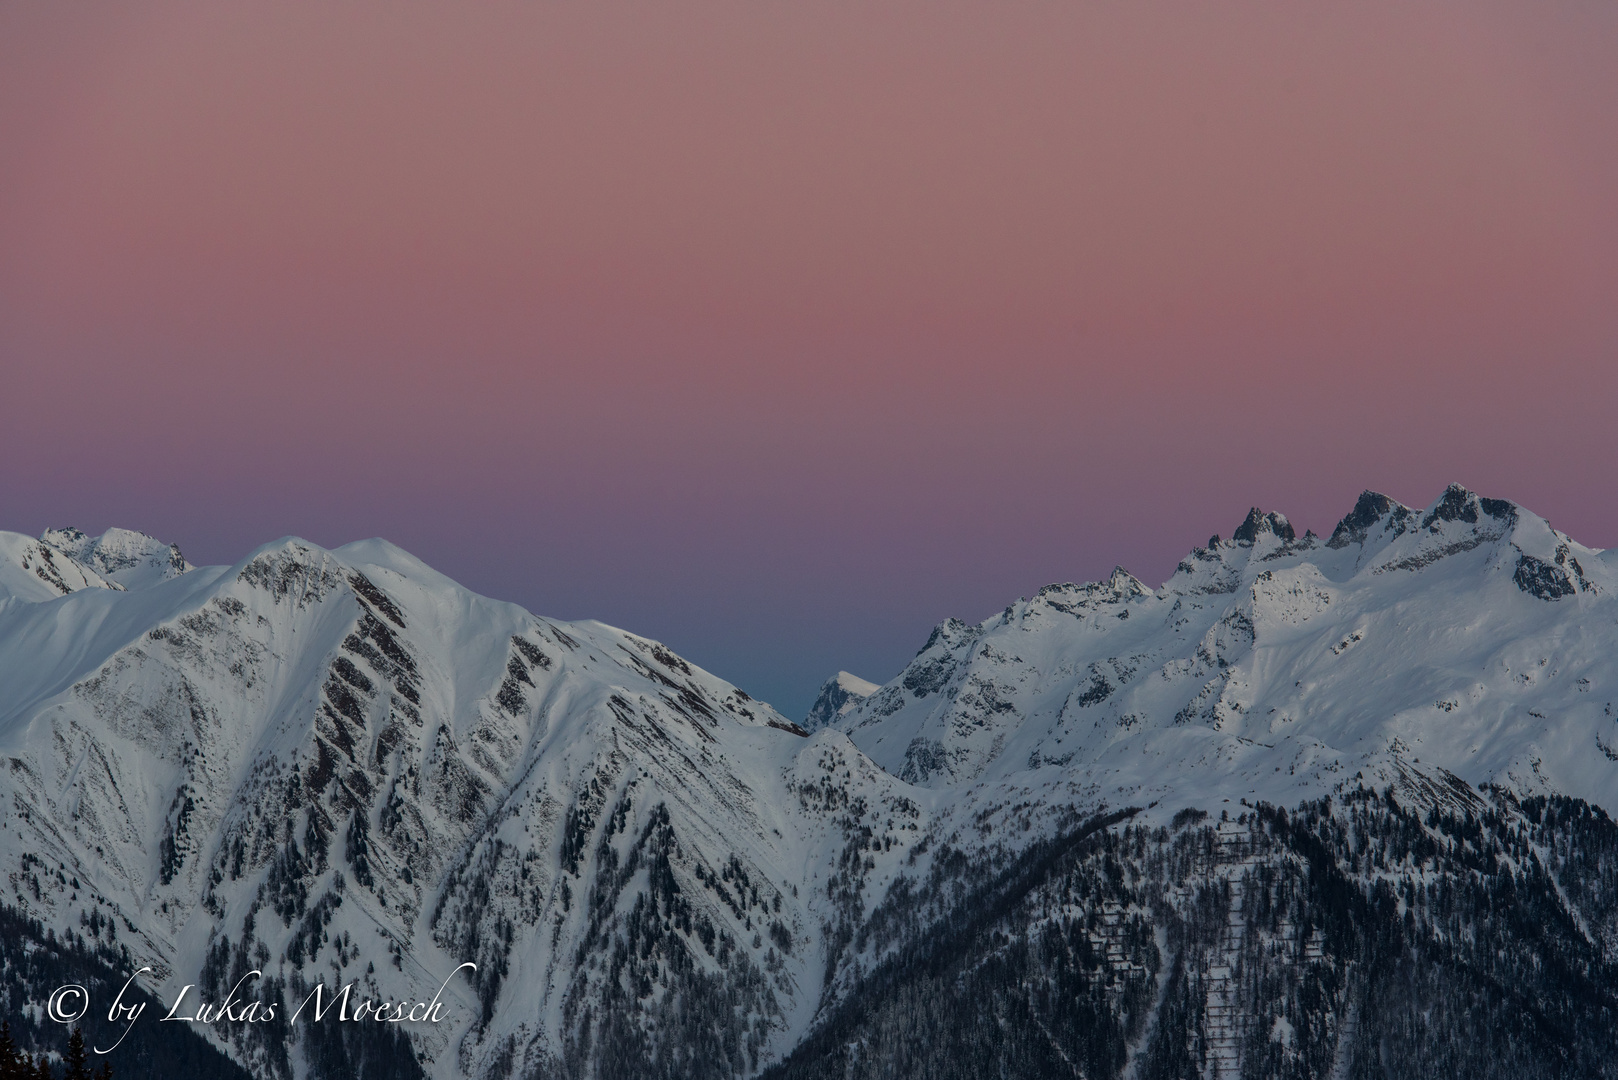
(1313, 807)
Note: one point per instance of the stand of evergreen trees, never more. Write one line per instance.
(1371, 937)
(17, 1065)
(35, 961)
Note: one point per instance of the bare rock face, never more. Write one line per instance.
(838, 694)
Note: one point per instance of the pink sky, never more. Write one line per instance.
(783, 331)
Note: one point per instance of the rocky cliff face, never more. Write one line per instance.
(1267, 819)
(837, 698)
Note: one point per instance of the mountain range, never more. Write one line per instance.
(1311, 807)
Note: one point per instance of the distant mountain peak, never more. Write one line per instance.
(838, 696)
(1211, 635)
(1124, 583)
(949, 632)
(1369, 509)
(1258, 523)
(129, 558)
(1459, 504)
(36, 570)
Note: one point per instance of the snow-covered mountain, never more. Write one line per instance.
(34, 570)
(340, 765)
(131, 559)
(838, 696)
(1470, 635)
(317, 756)
(66, 560)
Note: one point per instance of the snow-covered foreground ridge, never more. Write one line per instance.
(341, 765)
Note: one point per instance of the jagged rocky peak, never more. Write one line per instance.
(314, 754)
(839, 695)
(1219, 567)
(1371, 509)
(1376, 513)
(1121, 587)
(1126, 584)
(1459, 504)
(950, 633)
(132, 559)
(1259, 524)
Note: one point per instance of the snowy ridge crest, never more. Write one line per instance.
(132, 559)
(63, 561)
(1249, 638)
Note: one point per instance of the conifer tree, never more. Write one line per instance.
(10, 1060)
(78, 1062)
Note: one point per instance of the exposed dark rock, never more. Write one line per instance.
(1459, 504)
(928, 677)
(832, 702)
(1097, 692)
(1370, 508)
(376, 598)
(1539, 578)
(1258, 523)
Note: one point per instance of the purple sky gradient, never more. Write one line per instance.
(782, 332)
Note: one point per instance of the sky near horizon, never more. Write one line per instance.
(782, 332)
